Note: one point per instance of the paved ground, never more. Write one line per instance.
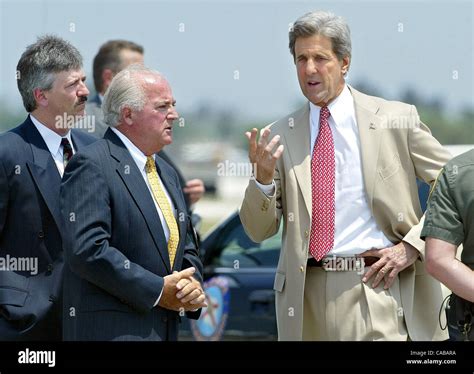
(215, 208)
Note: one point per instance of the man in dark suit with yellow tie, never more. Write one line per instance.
(113, 56)
(32, 160)
(129, 241)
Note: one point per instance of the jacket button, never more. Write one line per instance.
(302, 268)
(41, 235)
(52, 298)
(50, 268)
(306, 234)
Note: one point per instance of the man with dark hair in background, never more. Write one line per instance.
(113, 56)
(32, 161)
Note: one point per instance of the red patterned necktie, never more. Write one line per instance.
(323, 178)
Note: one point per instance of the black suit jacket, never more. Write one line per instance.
(116, 249)
(30, 221)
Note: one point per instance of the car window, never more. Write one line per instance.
(241, 252)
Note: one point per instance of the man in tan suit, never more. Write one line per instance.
(341, 174)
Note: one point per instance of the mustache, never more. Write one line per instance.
(82, 99)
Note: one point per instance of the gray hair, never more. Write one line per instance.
(39, 64)
(326, 24)
(127, 90)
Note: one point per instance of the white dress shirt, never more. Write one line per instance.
(53, 142)
(355, 227)
(140, 160)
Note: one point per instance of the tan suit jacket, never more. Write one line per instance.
(396, 147)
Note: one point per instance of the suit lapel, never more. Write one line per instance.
(133, 180)
(299, 151)
(174, 192)
(370, 133)
(77, 140)
(43, 170)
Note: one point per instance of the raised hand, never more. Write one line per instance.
(263, 155)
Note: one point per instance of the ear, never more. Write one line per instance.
(40, 97)
(127, 116)
(346, 62)
(107, 76)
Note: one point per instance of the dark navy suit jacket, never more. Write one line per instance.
(30, 225)
(116, 248)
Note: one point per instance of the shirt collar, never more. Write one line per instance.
(52, 139)
(340, 108)
(138, 156)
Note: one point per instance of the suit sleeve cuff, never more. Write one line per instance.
(158, 300)
(267, 189)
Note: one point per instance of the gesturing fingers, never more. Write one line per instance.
(252, 137)
(278, 152)
(269, 147)
(263, 154)
(263, 141)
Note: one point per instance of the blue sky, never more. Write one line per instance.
(203, 46)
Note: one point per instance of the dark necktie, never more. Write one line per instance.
(67, 151)
(323, 180)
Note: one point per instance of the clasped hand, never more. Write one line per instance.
(181, 291)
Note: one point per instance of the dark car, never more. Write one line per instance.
(239, 275)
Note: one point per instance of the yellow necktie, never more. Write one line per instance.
(163, 203)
